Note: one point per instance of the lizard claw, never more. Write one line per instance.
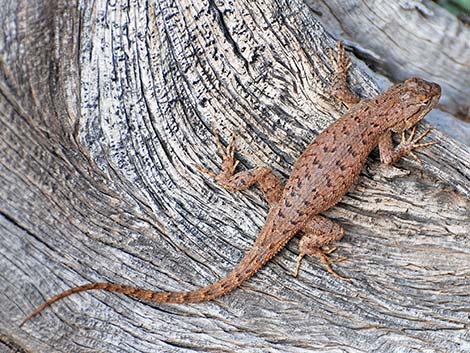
(408, 144)
(325, 259)
(297, 265)
(229, 163)
(205, 171)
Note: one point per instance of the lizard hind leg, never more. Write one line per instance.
(269, 183)
(319, 233)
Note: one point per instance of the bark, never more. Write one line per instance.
(105, 108)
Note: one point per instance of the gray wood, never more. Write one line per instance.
(407, 38)
(105, 109)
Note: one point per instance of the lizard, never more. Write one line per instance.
(321, 176)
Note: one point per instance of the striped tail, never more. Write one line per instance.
(252, 262)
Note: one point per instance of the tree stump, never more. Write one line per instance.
(105, 108)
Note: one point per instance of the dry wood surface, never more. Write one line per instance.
(105, 107)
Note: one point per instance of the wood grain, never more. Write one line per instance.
(104, 109)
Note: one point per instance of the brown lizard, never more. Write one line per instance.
(320, 178)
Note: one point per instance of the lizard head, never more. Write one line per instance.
(417, 98)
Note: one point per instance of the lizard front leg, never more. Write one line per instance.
(269, 183)
(340, 88)
(389, 155)
(320, 232)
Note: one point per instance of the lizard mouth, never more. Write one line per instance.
(416, 117)
(425, 107)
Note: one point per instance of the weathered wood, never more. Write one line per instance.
(105, 108)
(405, 38)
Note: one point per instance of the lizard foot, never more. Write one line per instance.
(324, 258)
(408, 144)
(340, 89)
(229, 163)
(341, 62)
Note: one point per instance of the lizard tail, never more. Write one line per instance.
(252, 262)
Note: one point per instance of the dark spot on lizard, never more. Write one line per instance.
(340, 164)
(328, 181)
